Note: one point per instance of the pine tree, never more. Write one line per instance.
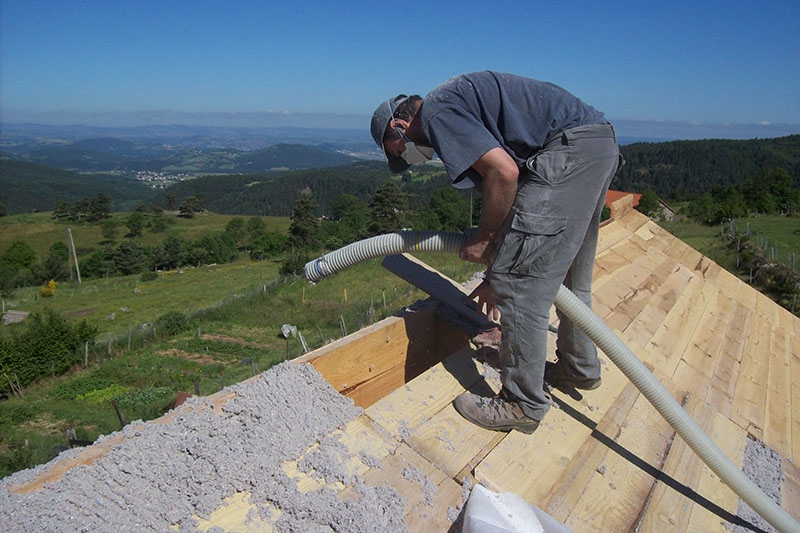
(304, 225)
(389, 206)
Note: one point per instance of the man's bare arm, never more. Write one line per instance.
(500, 175)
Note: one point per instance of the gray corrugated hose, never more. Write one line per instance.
(603, 337)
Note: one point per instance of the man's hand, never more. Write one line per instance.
(483, 297)
(478, 248)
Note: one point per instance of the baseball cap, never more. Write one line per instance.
(380, 119)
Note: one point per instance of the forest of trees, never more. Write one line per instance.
(768, 192)
(683, 170)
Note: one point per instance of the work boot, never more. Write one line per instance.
(559, 375)
(498, 413)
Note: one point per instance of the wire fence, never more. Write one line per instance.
(772, 248)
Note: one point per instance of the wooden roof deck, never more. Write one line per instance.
(608, 461)
(603, 462)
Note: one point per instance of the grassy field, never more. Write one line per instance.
(704, 239)
(235, 314)
(778, 236)
(40, 232)
(118, 303)
(782, 235)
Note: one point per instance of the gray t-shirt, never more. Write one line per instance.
(470, 114)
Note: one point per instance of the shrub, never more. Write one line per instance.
(47, 345)
(15, 414)
(49, 290)
(142, 399)
(172, 323)
(294, 262)
(102, 395)
(81, 386)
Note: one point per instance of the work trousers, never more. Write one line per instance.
(550, 239)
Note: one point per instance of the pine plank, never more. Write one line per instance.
(532, 465)
(237, 514)
(638, 278)
(371, 351)
(749, 400)
(405, 409)
(723, 383)
(363, 438)
(731, 440)
(368, 392)
(668, 343)
(634, 250)
(690, 379)
(790, 489)
(633, 220)
(589, 458)
(794, 371)
(667, 284)
(610, 295)
(596, 403)
(747, 296)
(708, 338)
(449, 441)
(612, 234)
(728, 360)
(728, 284)
(669, 509)
(778, 427)
(675, 248)
(427, 493)
(606, 267)
(648, 231)
(558, 439)
(625, 476)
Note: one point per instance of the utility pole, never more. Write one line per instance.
(74, 256)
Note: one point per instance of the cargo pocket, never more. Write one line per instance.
(530, 245)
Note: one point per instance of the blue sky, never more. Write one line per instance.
(678, 68)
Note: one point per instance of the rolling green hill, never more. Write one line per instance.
(274, 193)
(247, 183)
(26, 187)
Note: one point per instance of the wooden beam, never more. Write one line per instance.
(439, 286)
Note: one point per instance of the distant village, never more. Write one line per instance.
(160, 180)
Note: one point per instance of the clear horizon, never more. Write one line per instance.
(631, 129)
(683, 70)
